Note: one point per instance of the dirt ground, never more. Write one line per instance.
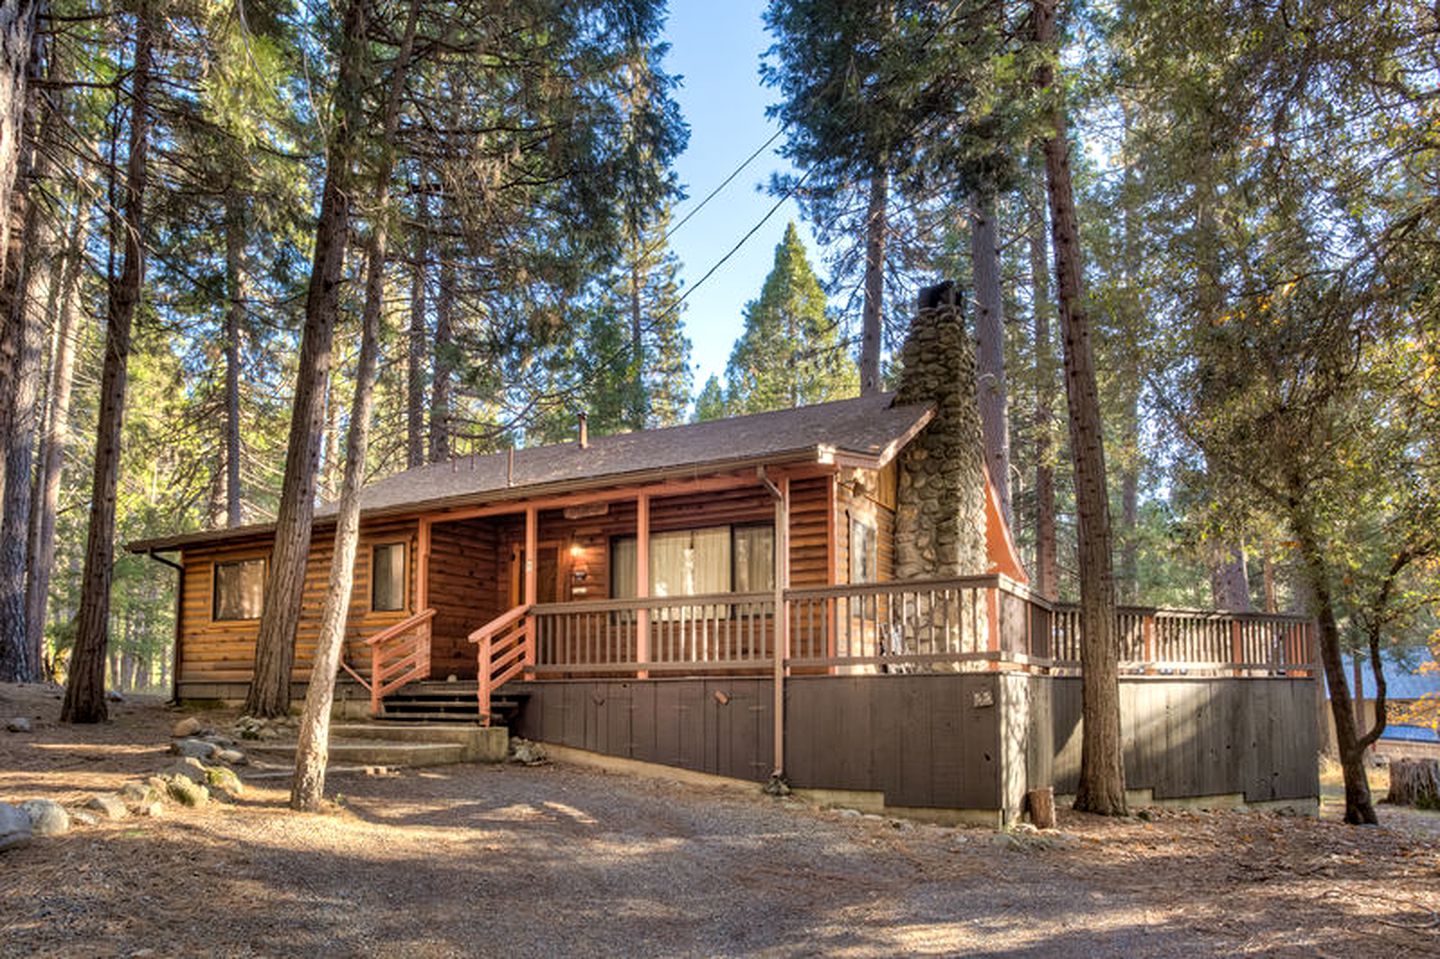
(555, 860)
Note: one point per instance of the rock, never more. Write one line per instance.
(81, 817)
(150, 809)
(187, 768)
(193, 748)
(139, 794)
(114, 696)
(848, 813)
(19, 724)
(525, 752)
(219, 742)
(268, 733)
(47, 817)
(108, 805)
(14, 827)
(189, 726)
(187, 793)
(224, 781)
(232, 756)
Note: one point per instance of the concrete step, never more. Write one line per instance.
(374, 752)
(479, 743)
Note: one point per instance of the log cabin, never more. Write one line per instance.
(828, 597)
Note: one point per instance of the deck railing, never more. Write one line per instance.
(399, 654)
(504, 648)
(970, 622)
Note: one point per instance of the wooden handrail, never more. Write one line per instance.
(399, 653)
(505, 648)
(404, 626)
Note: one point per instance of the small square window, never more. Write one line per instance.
(862, 552)
(239, 590)
(387, 577)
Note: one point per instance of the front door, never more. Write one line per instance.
(547, 573)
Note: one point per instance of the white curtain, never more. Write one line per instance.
(754, 559)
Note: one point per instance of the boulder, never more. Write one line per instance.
(232, 756)
(223, 782)
(219, 742)
(19, 724)
(187, 768)
(108, 805)
(193, 748)
(139, 794)
(47, 817)
(81, 817)
(187, 793)
(114, 696)
(189, 726)
(14, 827)
(527, 753)
(150, 809)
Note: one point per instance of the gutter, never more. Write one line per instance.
(179, 606)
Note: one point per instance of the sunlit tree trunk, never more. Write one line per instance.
(872, 321)
(235, 308)
(415, 354)
(1047, 577)
(990, 347)
(85, 683)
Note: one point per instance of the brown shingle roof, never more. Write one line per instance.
(867, 429)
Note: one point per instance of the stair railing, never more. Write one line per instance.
(399, 654)
(505, 648)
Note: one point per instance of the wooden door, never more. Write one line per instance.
(547, 573)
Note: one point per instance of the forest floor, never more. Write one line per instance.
(556, 860)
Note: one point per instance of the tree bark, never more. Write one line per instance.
(1230, 580)
(415, 357)
(269, 693)
(53, 436)
(85, 684)
(872, 321)
(17, 52)
(1101, 788)
(235, 308)
(443, 363)
(638, 409)
(1047, 575)
(990, 347)
(312, 748)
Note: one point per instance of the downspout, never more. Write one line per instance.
(179, 601)
(777, 785)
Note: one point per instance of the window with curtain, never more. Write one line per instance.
(862, 552)
(693, 562)
(239, 589)
(387, 577)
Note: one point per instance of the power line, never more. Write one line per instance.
(723, 184)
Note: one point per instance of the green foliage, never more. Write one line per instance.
(790, 353)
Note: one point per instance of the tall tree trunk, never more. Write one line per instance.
(27, 299)
(235, 308)
(872, 321)
(17, 53)
(1129, 578)
(990, 347)
(637, 338)
(85, 684)
(41, 550)
(312, 749)
(269, 693)
(1230, 580)
(1047, 575)
(444, 363)
(415, 357)
(1101, 788)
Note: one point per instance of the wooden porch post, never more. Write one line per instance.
(782, 616)
(642, 581)
(422, 567)
(531, 544)
(832, 578)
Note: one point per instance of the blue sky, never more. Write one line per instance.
(716, 49)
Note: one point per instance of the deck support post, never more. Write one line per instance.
(531, 545)
(642, 582)
(422, 566)
(781, 641)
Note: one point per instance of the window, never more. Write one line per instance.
(387, 577)
(239, 589)
(693, 562)
(862, 552)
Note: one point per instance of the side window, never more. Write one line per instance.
(239, 590)
(387, 577)
(862, 552)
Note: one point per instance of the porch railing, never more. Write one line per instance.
(399, 654)
(971, 622)
(504, 648)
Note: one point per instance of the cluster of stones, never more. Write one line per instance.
(252, 727)
(940, 508)
(188, 782)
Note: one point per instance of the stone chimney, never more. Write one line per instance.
(940, 513)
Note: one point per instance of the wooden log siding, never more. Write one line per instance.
(224, 652)
(465, 567)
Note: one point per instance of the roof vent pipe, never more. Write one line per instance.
(584, 430)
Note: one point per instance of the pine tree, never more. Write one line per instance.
(711, 403)
(791, 353)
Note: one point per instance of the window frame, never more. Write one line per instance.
(404, 580)
(730, 528)
(870, 550)
(215, 565)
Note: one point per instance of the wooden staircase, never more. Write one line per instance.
(445, 702)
